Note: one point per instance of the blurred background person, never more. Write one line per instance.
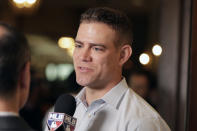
(14, 78)
(144, 84)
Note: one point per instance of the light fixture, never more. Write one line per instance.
(64, 70)
(51, 72)
(67, 43)
(144, 59)
(60, 72)
(24, 3)
(157, 50)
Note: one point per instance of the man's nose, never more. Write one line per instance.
(85, 55)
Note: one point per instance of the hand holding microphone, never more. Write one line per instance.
(61, 119)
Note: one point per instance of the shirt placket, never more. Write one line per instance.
(91, 113)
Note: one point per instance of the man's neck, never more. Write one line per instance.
(8, 106)
(93, 94)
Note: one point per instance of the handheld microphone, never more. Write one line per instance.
(61, 119)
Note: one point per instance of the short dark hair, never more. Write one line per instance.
(14, 54)
(116, 19)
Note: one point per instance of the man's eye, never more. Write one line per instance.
(97, 49)
(78, 46)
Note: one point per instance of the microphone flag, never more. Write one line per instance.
(69, 123)
(55, 120)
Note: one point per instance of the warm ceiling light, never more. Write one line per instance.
(144, 59)
(24, 3)
(19, 1)
(157, 50)
(67, 43)
(31, 1)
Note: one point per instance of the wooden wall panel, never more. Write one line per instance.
(192, 110)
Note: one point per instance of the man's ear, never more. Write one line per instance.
(125, 53)
(25, 76)
(24, 84)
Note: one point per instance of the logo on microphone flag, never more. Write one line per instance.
(55, 120)
(69, 123)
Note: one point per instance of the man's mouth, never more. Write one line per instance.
(84, 69)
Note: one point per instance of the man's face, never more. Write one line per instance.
(96, 59)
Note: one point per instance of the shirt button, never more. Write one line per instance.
(89, 115)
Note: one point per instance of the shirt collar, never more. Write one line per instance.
(81, 97)
(115, 94)
(8, 114)
(112, 97)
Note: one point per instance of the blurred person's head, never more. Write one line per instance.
(14, 68)
(140, 82)
(102, 46)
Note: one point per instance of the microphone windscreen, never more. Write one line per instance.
(65, 104)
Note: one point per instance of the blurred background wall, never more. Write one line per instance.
(51, 26)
